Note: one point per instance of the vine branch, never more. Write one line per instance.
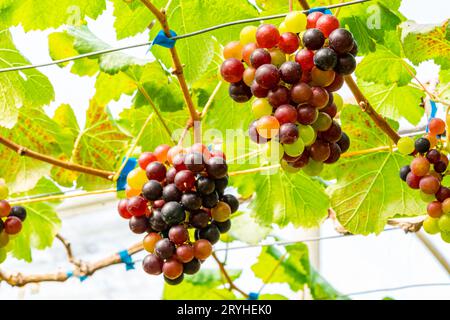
(227, 276)
(22, 151)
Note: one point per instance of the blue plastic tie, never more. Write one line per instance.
(122, 181)
(253, 296)
(69, 274)
(320, 9)
(433, 112)
(126, 258)
(162, 40)
(82, 278)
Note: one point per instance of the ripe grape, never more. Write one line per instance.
(156, 221)
(413, 181)
(170, 175)
(259, 57)
(254, 135)
(302, 160)
(268, 127)
(171, 193)
(446, 206)
(232, 201)
(139, 224)
(322, 78)
(313, 168)
(436, 126)
(191, 201)
(260, 108)
(248, 35)
(174, 282)
(205, 185)
(150, 241)
(178, 234)
(122, 208)
(137, 206)
(405, 145)
(404, 172)
(210, 233)
(216, 168)
(130, 192)
(337, 84)
(12, 225)
(420, 166)
(312, 19)
(291, 72)
(192, 267)
(307, 114)
(173, 213)
(323, 122)
(267, 36)
(422, 145)
(145, 159)
(325, 59)
(247, 52)
(300, 92)
(221, 212)
(429, 184)
(335, 153)
(333, 133)
(305, 58)
(337, 99)
(444, 159)
(444, 223)
(249, 76)
(258, 91)
(344, 142)
(319, 97)
(239, 92)
(203, 248)
(327, 24)
(433, 156)
(288, 42)
(194, 161)
(442, 194)
(278, 96)
(164, 248)
(288, 133)
(161, 152)
(156, 171)
(221, 184)
(433, 140)
(346, 64)
(331, 109)
(285, 114)
(440, 166)
(307, 134)
(341, 41)
(313, 39)
(217, 153)
(224, 226)
(185, 253)
(172, 269)
(267, 76)
(199, 219)
(210, 200)
(233, 50)
(152, 190)
(431, 226)
(136, 178)
(152, 264)
(287, 167)
(295, 21)
(320, 151)
(434, 209)
(232, 70)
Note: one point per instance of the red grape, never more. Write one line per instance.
(267, 76)
(341, 41)
(420, 166)
(178, 234)
(185, 180)
(333, 134)
(152, 264)
(320, 151)
(306, 59)
(278, 96)
(161, 152)
(178, 162)
(327, 23)
(202, 249)
(172, 269)
(12, 225)
(5, 208)
(247, 52)
(338, 82)
(319, 97)
(313, 39)
(232, 70)
(429, 184)
(137, 206)
(185, 253)
(145, 159)
(122, 208)
(156, 171)
(289, 42)
(291, 72)
(286, 113)
(259, 57)
(267, 36)
(194, 161)
(434, 209)
(436, 126)
(300, 92)
(312, 18)
(288, 133)
(239, 92)
(258, 91)
(413, 181)
(335, 153)
(307, 114)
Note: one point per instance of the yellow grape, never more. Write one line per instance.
(338, 101)
(261, 107)
(294, 149)
(295, 21)
(322, 78)
(137, 178)
(282, 28)
(430, 225)
(249, 76)
(233, 50)
(274, 151)
(445, 236)
(405, 145)
(278, 57)
(248, 35)
(267, 127)
(288, 168)
(221, 212)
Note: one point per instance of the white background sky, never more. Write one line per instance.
(351, 264)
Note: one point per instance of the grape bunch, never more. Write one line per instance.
(294, 71)
(425, 173)
(11, 219)
(174, 191)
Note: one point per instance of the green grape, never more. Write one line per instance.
(323, 122)
(261, 107)
(288, 168)
(338, 101)
(295, 21)
(445, 236)
(307, 133)
(278, 57)
(430, 225)
(274, 151)
(405, 145)
(427, 198)
(294, 149)
(4, 192)
(313, 168)
(444, 223)
(248, 35)
(3, 255)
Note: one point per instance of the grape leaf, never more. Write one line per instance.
(28, 87)
(204, 285)
(44, 14)
(321, 289)
(292, 268)
(444, 85)
(132, 19)
(425, 42)
(368, 190)
(394, 101)
(241, 223)
(41, 225)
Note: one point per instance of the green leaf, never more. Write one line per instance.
(393, 101)
(426, 42)
(41, 225)
(292, 268)
(28, 87)
(321, 289)
(241, 223)
(44, 14)
(368, 190)
(132, 19)
(270, 296)
(443, 88)
(205, 285)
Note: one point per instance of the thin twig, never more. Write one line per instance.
(227, 276)
(253, 170)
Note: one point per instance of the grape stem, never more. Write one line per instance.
(178, 68)
(22, 151)
(227, 276)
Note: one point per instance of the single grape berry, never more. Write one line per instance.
(173, 213)
(224, 226)
(300, 93)
(286, 113)
(157, 223)
(152, 264)
(429, 184)
(327, 23)
(203, 247)
(278, 96)
(404, 172)
(199, 219)
(216, 168)
(413, 181)
(313, 39)
(221, 184)
(164, 248)
(185, 180)
(259, 57)
(171, 193)
(289, 42)
(178, 234)
(306, 59)
(194, 161)
(422, 145)
(346, 64)
(5, 208)
(291, 72)
(192, 267)
(258, 91)
(239, 92)
(156, 171)
(150, 241)
(341, 41)
(170, 175)
(145, 159)
(433, 156)
(19, 212)
(232, 201)
(307, 114)
(191, 201)
(12, 225)
(333, 134)
(137, 206)
(320, 151)
(325, 59)
(152, 190)
(267, 76)
(139, 225)
(440, 166)
(210, 233)
(232, 70)
(312, 18)
(344, 142)
(178, 162)
(205, 185)
(174, 282)
(436, 126)
(267, 36)
(172, 269)
(288, 133)
(185, 253)
(210, 200)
